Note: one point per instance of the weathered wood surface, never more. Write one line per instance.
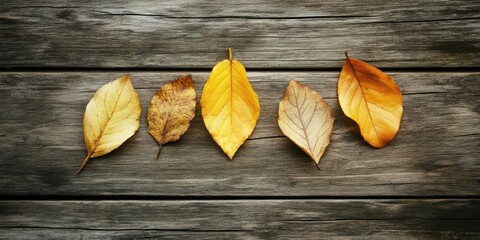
(264, 34)
(234, 219)
(422, 186)
(436, 152)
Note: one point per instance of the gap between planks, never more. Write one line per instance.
(173, 69)
(220, 198)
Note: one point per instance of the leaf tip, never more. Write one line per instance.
(188, 79)
(377, 144)
(126, 77)
(230, 155)
(291, 84)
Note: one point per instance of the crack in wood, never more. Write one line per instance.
(421, 21)
(235, 17)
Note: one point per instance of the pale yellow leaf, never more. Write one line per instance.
(230, 107)
(305, 118)
(171, 110)
(372, 99)
(111, 117)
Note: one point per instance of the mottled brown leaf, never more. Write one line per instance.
(171, 110)
(305, 118)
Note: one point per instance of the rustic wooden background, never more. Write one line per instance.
(54, 55)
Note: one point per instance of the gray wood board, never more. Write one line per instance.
(434, 154)
(263, 34)
(242, 219)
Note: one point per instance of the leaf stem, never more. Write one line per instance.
(230, 57)
(346, 55)
(84, 163)
(159, 151)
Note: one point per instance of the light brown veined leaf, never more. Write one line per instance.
(305, 118)
(372, 99)
(111, 117)
(230, 107)
(171, 110)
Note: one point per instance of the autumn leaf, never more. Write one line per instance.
(112, 116)
(171, 110)
(372, 99)
(305, 118)
(230, 107)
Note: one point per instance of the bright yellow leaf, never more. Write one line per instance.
(372, 99)
(112, 116)
(230, 107)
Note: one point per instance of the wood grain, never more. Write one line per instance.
(234, 219)
(263, 34)
(435, 153)
(56, 54)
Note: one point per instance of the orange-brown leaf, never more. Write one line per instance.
(171, 110)
(305, 118)
(372, 99)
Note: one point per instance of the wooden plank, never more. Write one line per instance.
(233, 219)
(263, 34)
(435, 153)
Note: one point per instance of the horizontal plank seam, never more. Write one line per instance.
(221, 198)
(128, 229)
(209, 69)
(227, 230)
(382, 219)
